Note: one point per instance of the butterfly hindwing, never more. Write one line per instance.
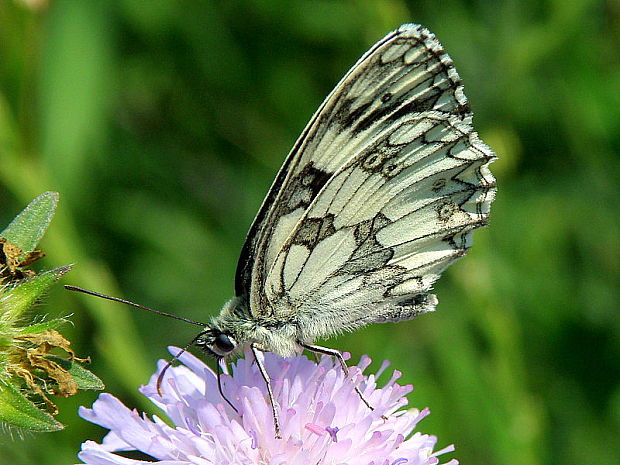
(380, 193)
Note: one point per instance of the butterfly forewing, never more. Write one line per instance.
(380, 193)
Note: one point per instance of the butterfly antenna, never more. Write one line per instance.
(128, 302)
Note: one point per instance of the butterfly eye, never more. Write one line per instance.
(223, 343)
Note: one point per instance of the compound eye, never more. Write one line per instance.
(223, 343)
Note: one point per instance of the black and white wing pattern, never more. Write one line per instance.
(380, 193)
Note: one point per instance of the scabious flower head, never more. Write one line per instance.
(323, 420)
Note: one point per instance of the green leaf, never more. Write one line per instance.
(21, 298)
(84, 378)
(43, 326)
(27, 229)
(16, 410)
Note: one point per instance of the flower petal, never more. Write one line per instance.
(323, 420)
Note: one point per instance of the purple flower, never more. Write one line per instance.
(323, 419)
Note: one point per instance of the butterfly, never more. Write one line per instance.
(380, 193)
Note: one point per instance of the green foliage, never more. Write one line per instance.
(28, 373)
(164, 124)
(37, 328)
(83, 378)
(17, 300)
(17, 411)
(27, 229)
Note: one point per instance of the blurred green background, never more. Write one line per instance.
(163, 123)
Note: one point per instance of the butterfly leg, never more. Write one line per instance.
(258, 356)
(219, 385)
(338, 355)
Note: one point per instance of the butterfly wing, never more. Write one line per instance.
(380, 193)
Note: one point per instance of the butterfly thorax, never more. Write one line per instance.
(239, 325)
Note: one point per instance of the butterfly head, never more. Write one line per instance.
(216, 342)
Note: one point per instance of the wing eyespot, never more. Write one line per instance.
(391, 170)
(439, 184)
(386, 97)
(373, 161)
(446, 210)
